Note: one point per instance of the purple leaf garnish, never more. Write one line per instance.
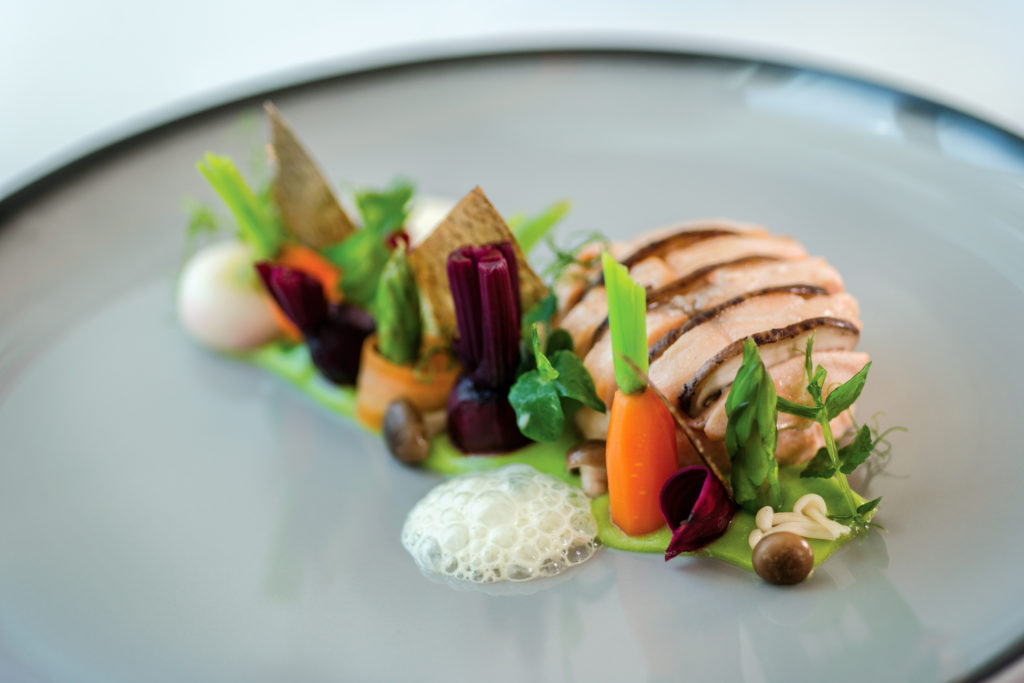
(334, 333)
(696, 508)
(485, 290)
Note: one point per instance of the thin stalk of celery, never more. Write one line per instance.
(627, 320)
(257, 227)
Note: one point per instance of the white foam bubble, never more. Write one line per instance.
(508, 524)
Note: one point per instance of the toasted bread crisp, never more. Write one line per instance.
(309, 210)
(473, 221)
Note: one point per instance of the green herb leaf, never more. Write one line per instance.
(798, 409)
(574, 381)
(530, 230)
(843, 396)
(554, 388)
(256, 217)
(820, 467)
(567, 256)
(856, 452)
(544, 367)
(627, 315)
(751, 433)
(869, 506)
(361, 256)
(558, 340)
(540, 312)
(385, 211)
(816, 384)
(201, 220)
(538, 408)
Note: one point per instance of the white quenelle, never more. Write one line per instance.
(221, 301)
(508, 524)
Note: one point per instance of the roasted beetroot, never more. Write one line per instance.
(485, 288)
(334, 333)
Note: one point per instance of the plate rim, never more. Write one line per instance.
(22, 196)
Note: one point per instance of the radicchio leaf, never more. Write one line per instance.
(696, 508)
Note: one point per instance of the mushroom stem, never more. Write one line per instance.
(593, 480)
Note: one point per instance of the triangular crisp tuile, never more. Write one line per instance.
(309, 210)
(474, 220)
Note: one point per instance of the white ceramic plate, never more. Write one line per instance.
(167, 514)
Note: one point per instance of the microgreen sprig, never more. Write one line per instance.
(831, 461)
(569, 255)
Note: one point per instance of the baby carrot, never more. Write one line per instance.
(641, 455)
(640, 450)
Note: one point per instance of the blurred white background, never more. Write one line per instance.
(77, 75)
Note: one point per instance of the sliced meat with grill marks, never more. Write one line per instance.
(682, 360)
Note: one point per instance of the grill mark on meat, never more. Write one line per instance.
(659, 347)
(677, 240)
(685, 237)
(692, 387)
(681, 285)
(686, 283)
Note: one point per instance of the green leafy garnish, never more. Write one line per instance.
(203, 221)
(255, 215)
(529, 230)
(567, 256)
(397, 311)
(385, 211)
(627, 320)
(831, 461)
(362, 255)
(751, 434)
(543, 396)
(540, 312)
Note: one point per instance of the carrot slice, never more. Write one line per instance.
(380, 382)
(312, 263)
(641, 456)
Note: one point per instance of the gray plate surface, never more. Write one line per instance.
(167, 514)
